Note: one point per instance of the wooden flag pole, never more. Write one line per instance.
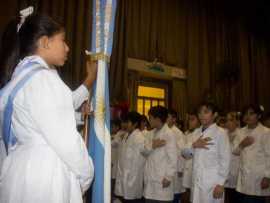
(85, 138)
(93, 58)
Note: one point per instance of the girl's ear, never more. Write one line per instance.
(43, 43)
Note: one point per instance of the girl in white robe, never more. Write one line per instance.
(253, 147)
(179, 137)
(129, 183)
(47, 159)
(232, 125)
(193, 123)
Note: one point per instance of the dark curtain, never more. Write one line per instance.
(76, 18)
(224, 59)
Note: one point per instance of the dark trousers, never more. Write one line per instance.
(112, 190)
(177, 198)
(186, 196)
(232, 196)
(251, 199)
(156, 201)
(132, 201)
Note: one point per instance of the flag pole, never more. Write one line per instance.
(93, 58)
(85, 138)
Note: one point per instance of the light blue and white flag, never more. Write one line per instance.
(99, 137)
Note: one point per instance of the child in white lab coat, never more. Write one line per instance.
(193, 123)
(254, 174)
(129, 183)
(161, 162)
(115, 137)
(179, 136)
(211, 158)
(232, 125)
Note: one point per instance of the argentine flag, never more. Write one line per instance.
(99, 133)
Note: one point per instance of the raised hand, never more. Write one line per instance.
(91, 70)
(202, 143)
(218, 192)
(246, 142)
(157, 143)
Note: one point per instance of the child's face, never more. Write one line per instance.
(193, 122)
(130, 127)
(231, 123)
(244, 119)
(251, 117)
(57, 49)
(206, 116)
(124, 125)
(221, 122)
(153, 121)
(171, 120)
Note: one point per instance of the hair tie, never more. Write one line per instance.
(23, 15)
(262, 108)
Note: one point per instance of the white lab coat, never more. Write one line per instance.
(145, 132)
(187, 175)
(50, 162)
(210, 167)
(180, 140)
(129, 183)
(254, 161)
(115, 143)
(235, 159)
(160, 163)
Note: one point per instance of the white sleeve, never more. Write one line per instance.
(180, 147)
(188, 150)
(266, 149)
(171, 155)
(54, 116)
(224, 157)
(147, 146)
(236, 142)
(139, 141)
(78, 117)
(80, 95)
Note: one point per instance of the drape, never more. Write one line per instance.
(76, 17)
(201, 36)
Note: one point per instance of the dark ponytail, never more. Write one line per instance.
(17, 45)
(9, 51)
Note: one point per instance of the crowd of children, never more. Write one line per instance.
(217, 159)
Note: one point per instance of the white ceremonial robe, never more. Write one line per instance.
(129, 183)
(50, 162)
(116, 147)
(210, 167)
(160, 163)
(187, 175)
(235, 159)
(178, 181)
(254, 161)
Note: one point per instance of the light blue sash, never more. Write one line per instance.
(8, 136)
